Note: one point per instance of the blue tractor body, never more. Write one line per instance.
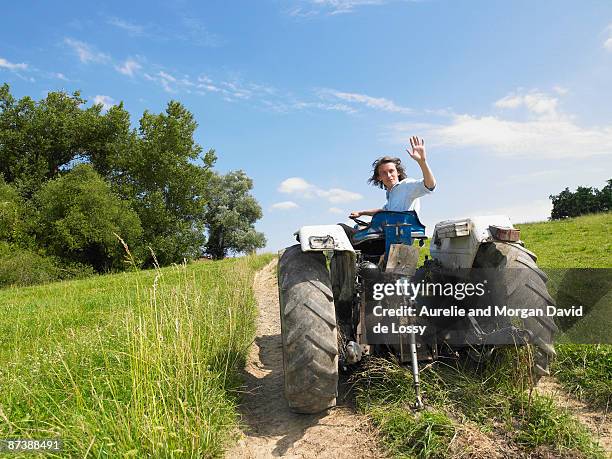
(393, 228)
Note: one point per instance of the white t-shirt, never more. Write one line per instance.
(405, 195)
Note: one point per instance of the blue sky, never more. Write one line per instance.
(513, 99)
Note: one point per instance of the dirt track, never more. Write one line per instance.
(271, 430)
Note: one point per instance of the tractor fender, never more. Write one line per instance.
(455, 242)
(319, 238)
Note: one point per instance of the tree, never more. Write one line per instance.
(165, 175)
(604, 197)
(77, 216)
(39, 139)
(14, 222)
(157, 171)
(585, 200)
(230, 215)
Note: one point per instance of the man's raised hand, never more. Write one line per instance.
(418, 149)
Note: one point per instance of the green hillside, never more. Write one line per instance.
(581, 242)
(141, 364)
(146, 364)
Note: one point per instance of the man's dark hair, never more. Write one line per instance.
(401, 173)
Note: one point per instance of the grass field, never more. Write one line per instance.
(494, 404)
(146, 364)
(583, 242)
(128, 365)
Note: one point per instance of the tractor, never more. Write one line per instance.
(346, 293)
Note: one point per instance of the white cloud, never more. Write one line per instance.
(300, 187)
(60, 76)
(11, 66)
(377, 103)
(204, 79)
(166, 79)
(234, 89)
(208, 88)
(300, 12)
(166, 76)
(509, 102)
(560, 90)
(132, 29)
(284, 205)
(295, 185)
(607, 44)
(537, 103)
(335, 210)
(205, 84)
(106, 101)
(324, 106)
(86, 52)
(268, 97)
(168, 82)
(543, 131)
(231, 90)
(333, 6)
(534, 138)
(129, 67)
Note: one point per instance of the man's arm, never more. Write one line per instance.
(420, 156)
(428, 178)
(359, 213)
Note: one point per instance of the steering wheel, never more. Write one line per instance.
(358, 221)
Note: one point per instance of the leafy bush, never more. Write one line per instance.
(21, 267)
(14, 223)
(79, 217)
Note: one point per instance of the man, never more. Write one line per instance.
(402, 192)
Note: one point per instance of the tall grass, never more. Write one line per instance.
(149, 369)
(492, 397)
(586, 372)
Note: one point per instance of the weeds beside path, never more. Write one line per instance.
(142, 364)
(597, 421)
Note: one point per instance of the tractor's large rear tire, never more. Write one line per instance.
(522, 284)
(309, 332)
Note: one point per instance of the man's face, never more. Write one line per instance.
(387, 173)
